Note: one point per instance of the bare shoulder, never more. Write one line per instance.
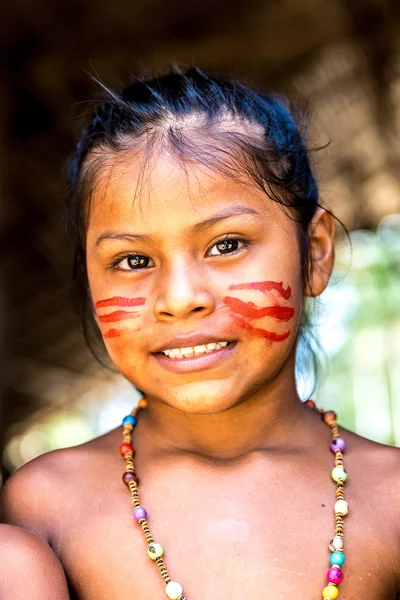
(373, 491)
(376, 468)
(34, 495)
(30, 569)
(374, 459)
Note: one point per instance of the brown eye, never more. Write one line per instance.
(227, 246)
(134, 262)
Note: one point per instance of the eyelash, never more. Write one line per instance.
(115, 264)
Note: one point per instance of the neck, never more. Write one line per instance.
(273, 418)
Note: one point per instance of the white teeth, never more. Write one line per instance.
(200, 350)
(187, 351)
(179, 353)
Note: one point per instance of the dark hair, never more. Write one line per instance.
(165, 112)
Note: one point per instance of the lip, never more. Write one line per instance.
(188, 341)
(195, 363)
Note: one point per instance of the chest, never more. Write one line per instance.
(263, 539)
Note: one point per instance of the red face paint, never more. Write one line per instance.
(261, 333)
(120, 301)
(112, 333)
(264, 286)
(118, 315)
(250, 310)
(245, 312)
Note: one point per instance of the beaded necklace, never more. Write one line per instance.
(155, 551)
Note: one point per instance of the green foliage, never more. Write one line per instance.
(359, 329)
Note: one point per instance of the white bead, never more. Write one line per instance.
(336, 544)
(341, 507)
(173, 590)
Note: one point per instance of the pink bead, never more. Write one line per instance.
(338, 444)
(335, 575)
(139, 513)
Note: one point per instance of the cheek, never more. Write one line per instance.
(119, 316)
(263, 308)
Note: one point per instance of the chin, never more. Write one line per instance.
(203, 397)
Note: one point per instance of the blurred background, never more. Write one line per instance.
(338, 58)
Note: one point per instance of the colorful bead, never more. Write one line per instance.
(174, 590)
(127, 477)
(339, 473)
(335, 575)
(341, 507)
(125, 448)
(155, 551)
(140, 513)
(338, 444)
(336, 544)
(129, 419)
(329, 417)
(330, 592)
(337, 558)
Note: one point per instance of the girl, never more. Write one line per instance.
(198, 236)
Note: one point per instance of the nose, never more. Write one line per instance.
(182, 293)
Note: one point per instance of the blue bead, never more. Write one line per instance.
(129, 419)
(337, 558)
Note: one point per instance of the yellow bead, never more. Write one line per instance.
(155, 551)
(341, 507)
(173, 590)
(330, 592)
(339, 473)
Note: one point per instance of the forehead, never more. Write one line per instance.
(163, 190)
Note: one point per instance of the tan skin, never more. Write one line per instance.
(234, 470)
(29, 568)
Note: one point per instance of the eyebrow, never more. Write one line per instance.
(234, 211)
(114, 235)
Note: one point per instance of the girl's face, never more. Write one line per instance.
(196, 284)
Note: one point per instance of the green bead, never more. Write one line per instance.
(155, 551)
(339, 474)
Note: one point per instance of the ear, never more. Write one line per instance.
(322, 252)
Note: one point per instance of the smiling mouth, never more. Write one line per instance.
(195, 351)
